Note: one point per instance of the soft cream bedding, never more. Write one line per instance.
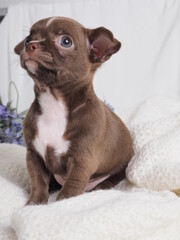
(143, 206)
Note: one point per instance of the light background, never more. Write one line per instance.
(147, 64)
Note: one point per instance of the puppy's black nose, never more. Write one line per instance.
(31, 47)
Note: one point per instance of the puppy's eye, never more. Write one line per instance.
(27, 40)
(65, 42)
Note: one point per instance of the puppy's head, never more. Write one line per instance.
(60, 50)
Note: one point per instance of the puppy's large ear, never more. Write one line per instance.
(19, 47)
(102, 44)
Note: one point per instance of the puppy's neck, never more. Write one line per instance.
(81, 95)
(74, 95)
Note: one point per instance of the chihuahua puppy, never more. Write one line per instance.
(70, 134)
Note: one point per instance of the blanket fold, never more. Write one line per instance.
(102, 215)
(155, 129)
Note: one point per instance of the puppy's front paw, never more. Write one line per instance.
(36, 200)
(60, 196)
(29, 203)
(67, 194)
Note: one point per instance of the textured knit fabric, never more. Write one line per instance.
(134, 209)
(155, 128)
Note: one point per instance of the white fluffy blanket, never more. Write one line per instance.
(141, 207)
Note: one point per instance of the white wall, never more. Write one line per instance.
(147, 64)
(6, 3)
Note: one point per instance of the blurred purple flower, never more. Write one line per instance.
(10, 125)
(2, 110)
(7, 131)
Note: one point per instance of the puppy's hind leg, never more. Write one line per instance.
(111, 181)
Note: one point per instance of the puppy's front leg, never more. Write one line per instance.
(39, 178)
(77, 179)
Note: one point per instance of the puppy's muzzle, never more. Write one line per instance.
(31, 47)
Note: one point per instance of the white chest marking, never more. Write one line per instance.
(51, 125)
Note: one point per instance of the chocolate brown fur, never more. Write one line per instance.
(100, 143)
